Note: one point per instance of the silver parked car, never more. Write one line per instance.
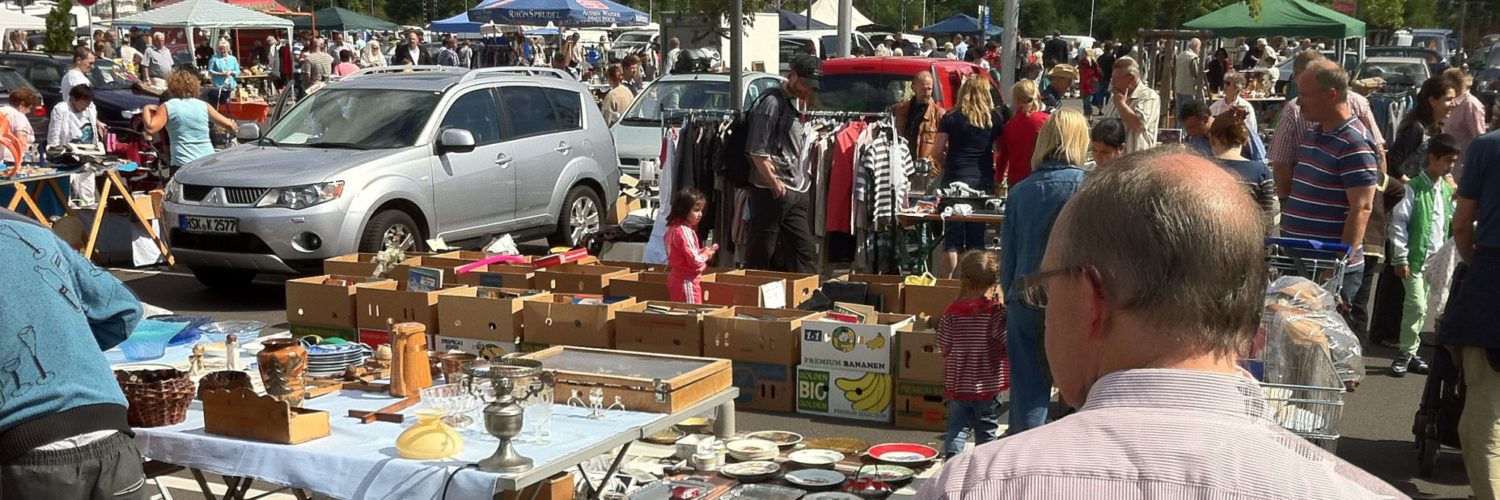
(396, 158)
(638, 133)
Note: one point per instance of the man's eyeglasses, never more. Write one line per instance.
(1033, 286)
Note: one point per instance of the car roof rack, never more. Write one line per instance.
(516, 70)
(390, 70)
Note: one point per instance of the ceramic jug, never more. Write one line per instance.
(411, 370)
(283, 363)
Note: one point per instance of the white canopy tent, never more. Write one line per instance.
(12, 20)
(211, 15)
(827, 12)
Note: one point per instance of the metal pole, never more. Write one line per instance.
(737, 53)
(1091, 18)
(1008, 45)
(846, 21)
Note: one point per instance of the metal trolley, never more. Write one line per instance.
(1313, 406)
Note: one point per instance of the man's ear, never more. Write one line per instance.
(1095, 302)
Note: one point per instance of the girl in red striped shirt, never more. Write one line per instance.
(971, 338)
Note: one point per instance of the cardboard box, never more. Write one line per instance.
(559, 321)
(848, 346)
(800, 287)
(729, 289)
(774, 342)
(890, 288)
(488, 349)
(643, 286)
(930, 300)
(324, 332)
(559, 487)
(920, 406)
(375, 337)
(354, 264)
(856, 395)
(917, 356)
(469, 255)
(311, 302)
(637, 267)
(578, 278)
(765, 387)
(449, 267)
(468, 313)
(622, 207)
(500, 276)
(682, 334)
(380, 307)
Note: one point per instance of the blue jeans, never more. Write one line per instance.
(981, 416)
(962, 236)
(1353, 279)
(1030, 384)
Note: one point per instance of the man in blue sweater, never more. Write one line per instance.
(63, 432)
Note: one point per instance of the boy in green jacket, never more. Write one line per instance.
(1419, 226)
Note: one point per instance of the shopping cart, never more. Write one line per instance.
(1305, 396)
(1321, 262)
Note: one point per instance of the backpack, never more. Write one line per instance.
(734, 164)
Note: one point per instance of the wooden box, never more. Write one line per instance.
(240, 413)
(645, 382)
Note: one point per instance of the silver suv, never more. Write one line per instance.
(386, 157)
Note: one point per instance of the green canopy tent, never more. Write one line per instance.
(1290, 18)
(341, 19)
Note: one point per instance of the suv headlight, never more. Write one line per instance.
(300, 197)
(173, 193)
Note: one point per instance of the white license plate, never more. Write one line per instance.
(212, 225)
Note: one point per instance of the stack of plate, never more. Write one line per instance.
(747, 450)
(328, 360)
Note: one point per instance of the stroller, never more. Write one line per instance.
(1436, 422)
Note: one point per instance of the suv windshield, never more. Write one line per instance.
(10, 80)
(863, 92)
(664, 98)
(1402, 73)
(634, 38)
(108, 76)
(356, 119)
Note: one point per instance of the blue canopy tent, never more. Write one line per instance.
(958, 24)
(569, 13)
(456, 24)
(792, 21)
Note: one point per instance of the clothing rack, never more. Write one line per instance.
(845, 115)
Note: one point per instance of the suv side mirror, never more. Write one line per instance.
(455, 140)
(248, 132)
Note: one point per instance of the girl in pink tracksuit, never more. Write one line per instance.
(685, 258)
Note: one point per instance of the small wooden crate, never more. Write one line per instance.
(242, 414)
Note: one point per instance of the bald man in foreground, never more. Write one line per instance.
(1144, 327)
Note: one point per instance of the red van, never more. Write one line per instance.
(873, 84)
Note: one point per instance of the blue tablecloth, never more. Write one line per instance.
(360, 460)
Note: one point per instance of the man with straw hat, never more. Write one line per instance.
(1061, 79)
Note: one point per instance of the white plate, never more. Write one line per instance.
(815, 458)
(814, 478)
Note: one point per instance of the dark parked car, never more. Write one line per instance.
(116, 91)
(10, 80)
(1436, 64)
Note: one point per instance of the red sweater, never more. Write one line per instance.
(971, 337)
(1017, 142)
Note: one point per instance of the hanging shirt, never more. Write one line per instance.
(841, 178)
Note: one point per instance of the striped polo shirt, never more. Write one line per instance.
(971, 337)
(1328, 164)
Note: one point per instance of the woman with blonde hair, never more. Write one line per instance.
(186, 119)
(371, 56)
(966, 148)
(1019, 138)
(1030, 209)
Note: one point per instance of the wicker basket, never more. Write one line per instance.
(157, 397)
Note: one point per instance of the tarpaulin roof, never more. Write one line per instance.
(204, 14)
(570, 13)
(791, 21)
(341, 19)
(11, 20)
(266, 6)
(827, 12)
(456, 24)
(1279, 18)
(959, 23)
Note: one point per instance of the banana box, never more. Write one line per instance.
(920, 406)
(855, 395)
(488, 349)
(764, 387)
(917, 356)
(869, 346)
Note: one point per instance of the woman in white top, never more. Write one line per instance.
(1234, 85)
(371, 56)
(22, 102)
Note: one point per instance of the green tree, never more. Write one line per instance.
(60, 34)
(1383, 13)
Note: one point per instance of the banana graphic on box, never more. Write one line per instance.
(870, 393)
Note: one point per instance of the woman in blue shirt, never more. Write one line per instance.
(186, 119)
(1031, 208)
(223, 67)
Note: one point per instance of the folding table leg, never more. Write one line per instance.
(613, 467)
(202, 484)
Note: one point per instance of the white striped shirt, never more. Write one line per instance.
(1152, 433)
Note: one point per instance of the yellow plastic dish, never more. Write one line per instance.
(429, 438)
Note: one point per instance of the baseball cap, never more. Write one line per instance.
(808, 69)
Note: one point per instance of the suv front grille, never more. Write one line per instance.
(244, 196)
(227, 243)
(232, 195)
(195, 193)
